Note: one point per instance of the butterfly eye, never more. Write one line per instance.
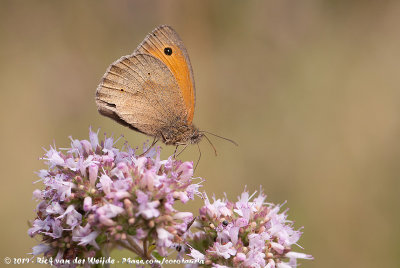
(168, 51)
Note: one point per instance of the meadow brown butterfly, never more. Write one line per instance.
(152, 91)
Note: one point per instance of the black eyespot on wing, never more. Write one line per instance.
(168, 51)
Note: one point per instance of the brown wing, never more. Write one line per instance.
(178, 62)
(140, 91)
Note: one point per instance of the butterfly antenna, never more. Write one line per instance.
(212, 145)
(231, 141)
(198, 160)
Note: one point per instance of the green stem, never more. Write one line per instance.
(142, 253)
(106, 254)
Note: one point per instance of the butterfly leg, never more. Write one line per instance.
(151, 146)
(176, 149)
(198, 160)
(186, 145)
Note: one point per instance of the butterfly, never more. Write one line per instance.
(152, 91)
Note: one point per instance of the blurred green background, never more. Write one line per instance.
(309, 89)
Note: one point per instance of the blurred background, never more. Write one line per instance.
(309, 89)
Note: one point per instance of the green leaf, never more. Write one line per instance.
(101, 238)
(157, 256)
(151, 248)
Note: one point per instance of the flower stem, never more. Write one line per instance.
(142, 253)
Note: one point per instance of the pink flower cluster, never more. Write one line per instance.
(97, 195)
(246, 233)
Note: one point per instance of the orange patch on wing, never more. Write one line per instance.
(180, 69)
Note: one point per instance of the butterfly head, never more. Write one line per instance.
(196, 135)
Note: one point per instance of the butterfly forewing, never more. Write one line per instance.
(155, 44)
(140, 91)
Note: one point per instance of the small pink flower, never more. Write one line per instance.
(87, 203)
(93, 169)
(55, 208)
(94, 140)
(105, 183)
(225, 251)
(41, 248)
(241, 256)
(54, 158)
(195, 254)
(85, 236)
(73, 217)
(148, 209)
(277, 247)
(109, 211)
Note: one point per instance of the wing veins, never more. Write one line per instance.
(143, 81)
(155, 94)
